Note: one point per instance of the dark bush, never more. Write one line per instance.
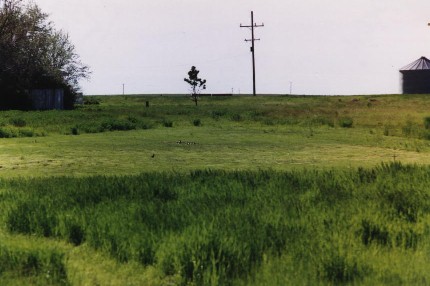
(117, 125)
(340, 271)
(236, 117)
(31, 265)
(6, 133)
(197, 122)
(76, 234)
(346, 122)
(373, 233)
(42, 221)
(18, 122)
(132, 119)
(427, 122)
(75, 130)
(91, 100)
(26, 133)
(167, 123)
(321, 120)
(408, 239)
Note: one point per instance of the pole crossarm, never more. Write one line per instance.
(252, 40)
(254, 26)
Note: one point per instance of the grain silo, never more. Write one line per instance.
(416, 77)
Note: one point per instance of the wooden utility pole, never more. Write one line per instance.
(252, 40)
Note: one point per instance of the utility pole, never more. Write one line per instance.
(252, 40)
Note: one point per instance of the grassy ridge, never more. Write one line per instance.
(392, 114)
(219, 228)
(120, 135)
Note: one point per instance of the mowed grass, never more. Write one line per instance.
(132, 152)
(122, 136)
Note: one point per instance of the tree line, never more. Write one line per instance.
(35, 55)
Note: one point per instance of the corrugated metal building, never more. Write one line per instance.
(45, 99)
(416, 77)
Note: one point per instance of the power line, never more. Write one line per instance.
(252, 40)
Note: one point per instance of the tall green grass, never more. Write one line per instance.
(360, 227)
(32, 267)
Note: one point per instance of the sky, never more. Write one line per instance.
(311, 47)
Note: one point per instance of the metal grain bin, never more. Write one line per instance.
(416, 77)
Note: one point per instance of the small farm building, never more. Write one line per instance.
(416, 77)
(44, 99)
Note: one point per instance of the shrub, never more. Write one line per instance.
(197, 122)
(427, 122)
(13, 132)
(24, 132)
(425, 135)
(346, 122)
(91, 101)
(373, 233)
(7, 133)
(145, 125)
(75, 130)
(76, 234)
(339, 270)
(117, 125)
(216, 114)
(87, 128)
(18, 122)
(167, 123)
(38, 267)
(321, 120)
(236, 117)
(132, 119)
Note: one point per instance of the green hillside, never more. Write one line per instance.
(120, 135)
(268, 190)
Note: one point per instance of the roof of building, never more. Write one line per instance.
(422, 63)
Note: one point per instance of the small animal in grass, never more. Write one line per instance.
(153, 155)
(185, 142)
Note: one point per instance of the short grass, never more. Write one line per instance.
(122, 136)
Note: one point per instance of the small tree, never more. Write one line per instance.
(196, 84)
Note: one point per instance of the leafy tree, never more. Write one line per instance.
(196, 84)
(33, 54)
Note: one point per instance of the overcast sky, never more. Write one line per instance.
(322, 47)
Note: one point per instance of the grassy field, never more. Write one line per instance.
(121, 135)
(272, 190)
